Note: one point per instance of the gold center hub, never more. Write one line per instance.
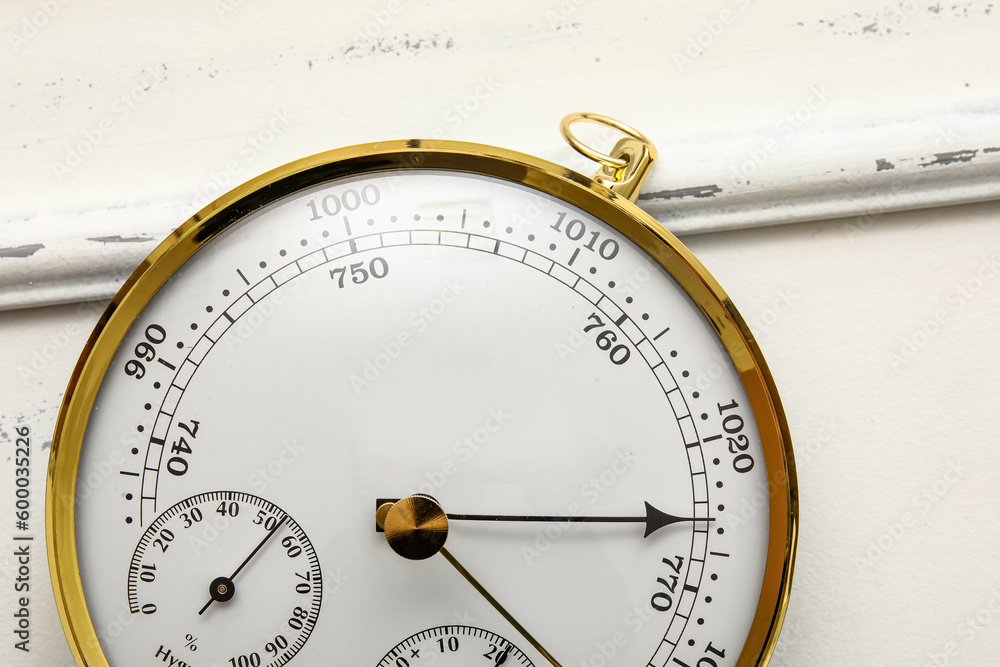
(416, 527)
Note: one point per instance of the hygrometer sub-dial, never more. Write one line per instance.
(455, 645)
(224, 578)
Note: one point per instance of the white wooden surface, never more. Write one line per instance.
(122, 121)
(880, 327)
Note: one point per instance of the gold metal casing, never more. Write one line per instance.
(594, 197)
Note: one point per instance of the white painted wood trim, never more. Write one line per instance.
(931, 158)
(707, 184)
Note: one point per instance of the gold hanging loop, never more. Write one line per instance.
(624, 170)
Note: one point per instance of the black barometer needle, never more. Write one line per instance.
(222, 588)
(654, 518)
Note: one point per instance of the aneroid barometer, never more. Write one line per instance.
(422, 403)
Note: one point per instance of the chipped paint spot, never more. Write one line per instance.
(698, 192)
(882, 164)
(119, 239)
(21, 250)
(950, 158)
(398, 46)
(893, 19)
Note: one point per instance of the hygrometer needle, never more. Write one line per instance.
(222, 588)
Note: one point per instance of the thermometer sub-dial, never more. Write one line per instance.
(224, 578)
(455, 645)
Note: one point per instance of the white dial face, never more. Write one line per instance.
(455, 645)
(432, 332)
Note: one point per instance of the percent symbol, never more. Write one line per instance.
(191, 639)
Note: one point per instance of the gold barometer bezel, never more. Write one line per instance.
(477, 159)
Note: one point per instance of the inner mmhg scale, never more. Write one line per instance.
(417, 403)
